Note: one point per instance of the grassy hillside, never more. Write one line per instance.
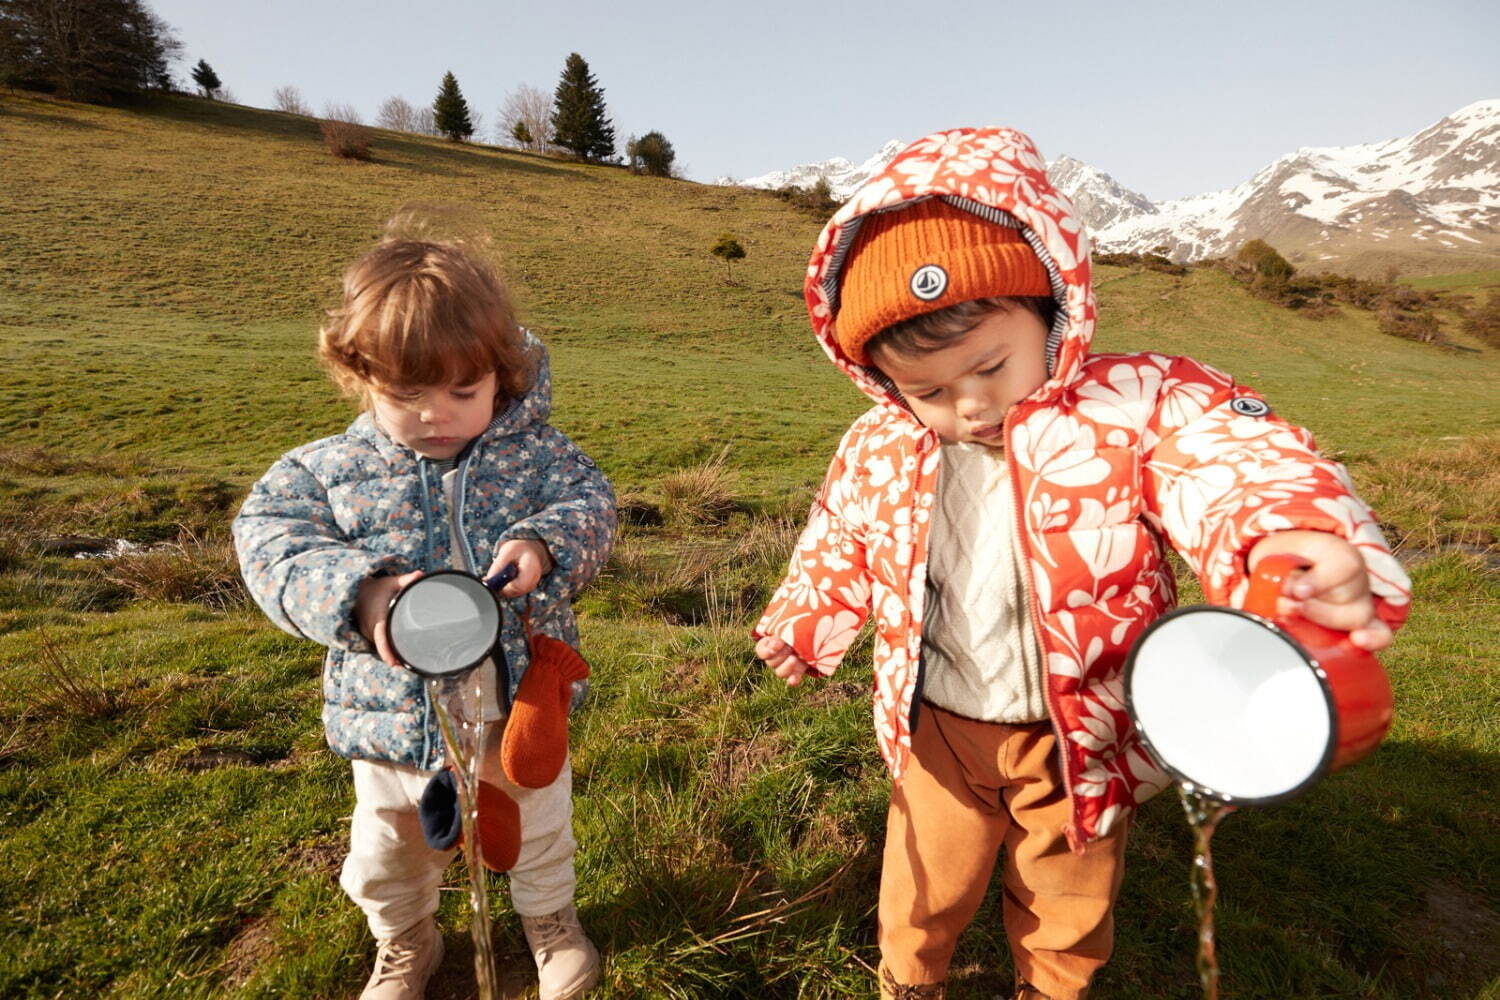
(171, 820)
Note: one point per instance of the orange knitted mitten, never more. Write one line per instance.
(536, 736)
(499, 827)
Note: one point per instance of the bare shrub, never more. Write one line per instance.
(289, 99)
(347, 140)
(1483, 322)
(397, 114)
(347, 113)
(192, 569)
(1421, 326)
(529, 108)
(816, 200)
(702, 494)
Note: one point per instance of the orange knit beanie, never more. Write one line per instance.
(925, 257)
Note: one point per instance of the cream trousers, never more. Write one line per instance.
(393, 876)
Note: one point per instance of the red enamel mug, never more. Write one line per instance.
(1251, 708)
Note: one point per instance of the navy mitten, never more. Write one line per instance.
(437, 810)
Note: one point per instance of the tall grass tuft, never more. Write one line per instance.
(200, 569)
(66, 688)
(701, 494)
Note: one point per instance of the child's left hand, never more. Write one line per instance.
(532, 560)
(1334, 589)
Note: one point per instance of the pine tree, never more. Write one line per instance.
(579, 123)
(450, 111)
(205, 77)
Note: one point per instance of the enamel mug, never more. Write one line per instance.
(1250, 708)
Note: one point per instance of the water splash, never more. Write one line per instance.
(464, 745)
(1203, 815)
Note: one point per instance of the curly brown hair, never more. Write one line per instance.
(424, 312)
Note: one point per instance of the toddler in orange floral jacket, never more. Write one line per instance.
(1003, 511)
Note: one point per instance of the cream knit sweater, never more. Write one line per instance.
(980, 652)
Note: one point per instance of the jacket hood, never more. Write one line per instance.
(997, 174)
(535, 407)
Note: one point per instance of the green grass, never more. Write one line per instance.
(1467, 281)
(172, 823)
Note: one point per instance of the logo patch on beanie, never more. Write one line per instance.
(928, 282)
(1245, 406)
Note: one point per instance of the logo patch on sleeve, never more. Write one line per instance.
(1247, 406)
(928, 282)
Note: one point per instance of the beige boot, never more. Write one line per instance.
(892, 990)
(567, 963)
(404, 963)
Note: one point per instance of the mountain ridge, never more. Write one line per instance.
(1427, 201)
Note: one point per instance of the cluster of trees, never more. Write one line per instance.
(97, 50)
(574, 118)
(85, 50)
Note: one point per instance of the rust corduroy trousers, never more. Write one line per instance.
(970, 789)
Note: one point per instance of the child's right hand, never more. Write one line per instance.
(779, 657)
(373, 604)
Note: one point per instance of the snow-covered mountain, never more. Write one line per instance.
(1437, 190)
(844, 178)
(1429, 198)
(1099, 198)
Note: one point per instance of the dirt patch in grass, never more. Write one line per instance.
(454, 979)
(829, 693)
(1453, 944)
(322, 857)
(253, 945)
(213, 758)
(735, 761)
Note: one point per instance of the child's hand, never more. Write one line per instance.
(532, 560)
(371, 607)
(1334, 589)
(780, 658)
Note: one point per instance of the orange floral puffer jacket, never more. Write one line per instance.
(1112, 458)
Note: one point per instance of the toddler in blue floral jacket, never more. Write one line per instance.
(452, 464)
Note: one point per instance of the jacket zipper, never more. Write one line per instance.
(921, 681)
(428, 758)
(467, 562)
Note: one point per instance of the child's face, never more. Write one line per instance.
(435, 421)
(963, 389)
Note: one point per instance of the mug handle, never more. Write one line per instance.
(499, 580)
(1266, 581)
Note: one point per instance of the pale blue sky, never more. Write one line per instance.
(1172, 99)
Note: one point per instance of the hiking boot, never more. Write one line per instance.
(890, 989)
(404, 963)
(1025, 991)
(567, 963)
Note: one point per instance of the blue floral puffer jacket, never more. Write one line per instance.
(331, 513)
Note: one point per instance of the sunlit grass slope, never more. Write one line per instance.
(171, 823)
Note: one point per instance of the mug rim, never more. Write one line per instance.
(391, 637)
(1329, 749)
